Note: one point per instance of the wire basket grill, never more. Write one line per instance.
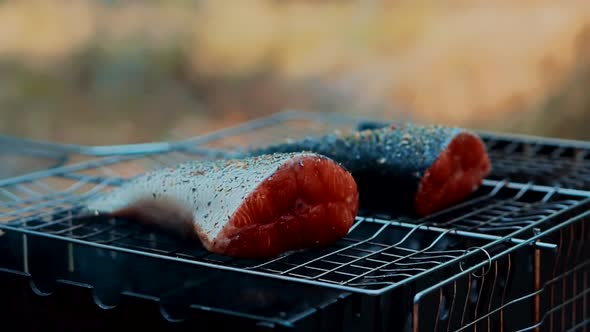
(497, 297)
(544, 164)
(524, 159)
(380, 252)
(18, 157)
(536, 186)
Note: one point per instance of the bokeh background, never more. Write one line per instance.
(109, 72)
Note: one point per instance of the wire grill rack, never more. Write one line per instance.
(379, 252)
(19, 157)
(524, 213)
(552, 165)
(498, 296)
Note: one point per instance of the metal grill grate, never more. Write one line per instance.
(18, 157)
(546, 164)
(497, 297)
(376, 255)
(454, 260)
(380, 252)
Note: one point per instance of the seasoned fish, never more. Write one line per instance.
(415, 168)
(256, 207)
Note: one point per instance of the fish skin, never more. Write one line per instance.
(200, 199)
(409, 149)
(393, 158)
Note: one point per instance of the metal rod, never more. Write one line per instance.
(473, 235)
(538, 236)
(537, 286)
(532, 295)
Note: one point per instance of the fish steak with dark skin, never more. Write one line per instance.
(412, 168)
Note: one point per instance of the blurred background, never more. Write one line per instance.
(108, 72)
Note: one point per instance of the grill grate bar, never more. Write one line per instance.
(337, 251)
(580, 325)
(562, 305)
(94, 164)
(27, 191)
(66, 218)
(458, 231)
(10, 195)
(366, 256)
(496, 188)
(397, 260)
(51, 203)
(43, 187)
(57, 197)
(370, 252)
(87, 179)
(478, 225)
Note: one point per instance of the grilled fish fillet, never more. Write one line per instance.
(257, 207)
(420, 169)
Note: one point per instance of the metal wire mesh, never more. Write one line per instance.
(546, 164)
(381, 251)
(17, 157)
(498, 296)
(503, 229)
(375, 255)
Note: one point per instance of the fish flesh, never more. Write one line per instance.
(413, 168)
(257, 207)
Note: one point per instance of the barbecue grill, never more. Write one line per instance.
(513, 257)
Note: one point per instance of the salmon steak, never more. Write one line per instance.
(257, 207)
(412, 168)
